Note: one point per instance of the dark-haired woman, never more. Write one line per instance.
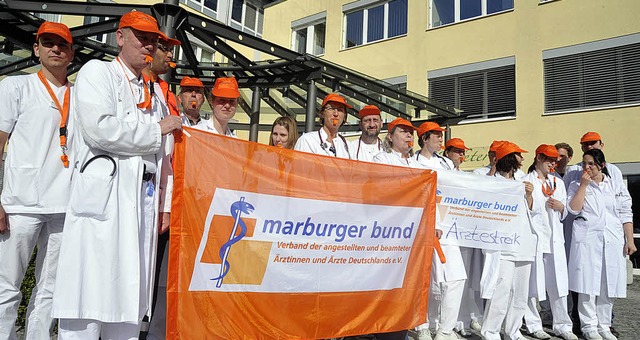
(549, 270)
(508, 292)
(597, 269)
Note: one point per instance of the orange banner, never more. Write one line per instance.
(273, 243)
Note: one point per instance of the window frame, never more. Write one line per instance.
(456, 15)
(257, 31)
(309, 24)
(484, 70)
(365, 7)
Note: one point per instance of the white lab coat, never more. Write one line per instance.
(597, 233)
(395, 158)
(316, 142)
(364, 152)
(548, 227)
(103, 248)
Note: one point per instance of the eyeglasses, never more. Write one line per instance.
(163, 48)
(331, 109)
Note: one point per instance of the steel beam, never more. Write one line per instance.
(254, 118)
(75, 8)
(310, 117)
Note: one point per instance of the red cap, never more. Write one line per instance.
(590, 137)
(547, 150)
(369, 110)
(58, 29)
(507, 148)
(429, 126)
(334, 97)
(191, 82)
(400, 122)
(166, 40)
(456, 143)
(139, 21)
(496, 144)
(226, 88)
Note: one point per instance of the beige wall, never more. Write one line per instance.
(523, 33)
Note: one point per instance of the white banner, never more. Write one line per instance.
(348, 249)
(483, 212)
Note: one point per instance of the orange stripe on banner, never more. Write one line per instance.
(205, 162)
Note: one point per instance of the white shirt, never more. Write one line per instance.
(35, 179)
(206, 125)
(362, 151)
(623, 198)
(518, 175)
(317, 142)
(435, 162)
(395, 158)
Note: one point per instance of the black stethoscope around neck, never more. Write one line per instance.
(332, 148)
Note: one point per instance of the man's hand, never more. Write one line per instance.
(169, 124)
(630, 247)
(4, 221)
(438, 233)
(164, 222)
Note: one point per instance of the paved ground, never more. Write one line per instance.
(627, 315)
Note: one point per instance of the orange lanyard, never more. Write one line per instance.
(146, 104)
(547, 188)
(64, 116)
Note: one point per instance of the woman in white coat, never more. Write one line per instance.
(505, 276)
(599, 243)
(397, 151)
(549, 270)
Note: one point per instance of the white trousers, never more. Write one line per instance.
(84, 329)
(561, 320)
(87, 329)
(509, 301)
(16, 247)
(471, 305)
(595, 310)
(444, 308)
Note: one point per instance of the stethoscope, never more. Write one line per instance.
(359, 142)
(440, 158)
(332, 148)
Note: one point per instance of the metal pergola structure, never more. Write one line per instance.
(302, 79)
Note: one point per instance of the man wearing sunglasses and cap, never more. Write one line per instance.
(121, 192)
(162, 62)
(327, 141)
(369, 144)
(34, 110)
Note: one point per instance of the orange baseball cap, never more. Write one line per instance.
(507, 148)
(334, 97)
(368, 110)
(165, 39)
(429, 126)
(547, 150)
(139, 21)
(58, 29)
(226, 88)
(191, 82)
(496, 144)
(400, 122)
(590, 137)
(456, 143)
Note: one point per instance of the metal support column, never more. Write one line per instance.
(172, 16)
(254, 122)
(310, 118)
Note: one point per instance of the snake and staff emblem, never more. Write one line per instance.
(237, 208)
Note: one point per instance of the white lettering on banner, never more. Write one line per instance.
(483, 212)
(303, 245)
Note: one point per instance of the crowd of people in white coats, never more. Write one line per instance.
(93, 192)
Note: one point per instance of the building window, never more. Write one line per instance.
(308, 34)
(445, 12)
(375, 23)
(109, 39)
(207, 7)
(483, 90)
(607, 76)
(247, 17)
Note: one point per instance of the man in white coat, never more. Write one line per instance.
(34, 109)
(119, 192)
(369, 144)
(191, 98)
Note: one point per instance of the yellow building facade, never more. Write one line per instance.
(446, 40)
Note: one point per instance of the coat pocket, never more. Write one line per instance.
(21, 186)
(90, 195)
